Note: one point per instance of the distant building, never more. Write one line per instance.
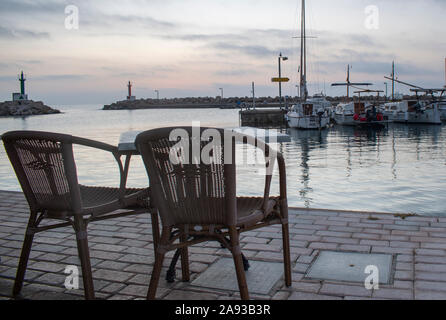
(22, 96)
(19, 97)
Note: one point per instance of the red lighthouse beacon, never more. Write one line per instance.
(130, 97)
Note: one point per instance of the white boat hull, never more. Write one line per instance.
(443, 112)
(429, 116)
(344, 120)
(307, 122)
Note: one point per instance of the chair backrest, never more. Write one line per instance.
(45, 167)
(190, 180)
(192, 173)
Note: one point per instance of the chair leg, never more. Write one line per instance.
(238, 261)
(171, 272)
(185, 260)
(286, 254)
(159, 259)
(84, 256)
(155, 228)
(24, 256)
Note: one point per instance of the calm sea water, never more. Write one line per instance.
(399, 169)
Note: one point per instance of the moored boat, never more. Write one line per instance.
(309, 113)
(413, 111)
(442, 108)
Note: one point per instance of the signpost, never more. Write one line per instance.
(280, 79)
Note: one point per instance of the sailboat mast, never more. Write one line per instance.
(303, 57)
(348, 82)
(445, 72)
(393, 80)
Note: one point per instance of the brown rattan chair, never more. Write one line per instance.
(45, 167)
(197, 199)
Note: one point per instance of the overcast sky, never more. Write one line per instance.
(193, 47)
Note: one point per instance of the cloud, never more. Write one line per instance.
(360, 39)
(7, 33)
(31, 61)
(195, 37)
(120, 21)
(7, 78)
(246, 35)
(236, 72)
(61, 77)
(250, 50)
(247, 42)
(31, 6)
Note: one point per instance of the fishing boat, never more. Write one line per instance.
(413, 111)
(442, 104)
(420, 111)
(358, 113)
(442, 108)
(345, 112)
(308, 113)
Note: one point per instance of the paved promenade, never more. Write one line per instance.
(122, 256)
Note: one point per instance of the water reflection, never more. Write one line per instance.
(24, 123)
(400, 168)
(307, 141)
(397, 168)
(130, 120)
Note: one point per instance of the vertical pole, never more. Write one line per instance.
(445, 72)
(348, 82)
(302, 36)
(280, 83)
(305, 47)
(393, 80)
(303, 57)
(253, 96)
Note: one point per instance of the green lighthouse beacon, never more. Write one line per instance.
(22, 84)
(22, 96)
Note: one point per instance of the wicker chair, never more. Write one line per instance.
(197, 200)
(45, 167)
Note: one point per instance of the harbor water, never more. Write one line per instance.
(398, 169)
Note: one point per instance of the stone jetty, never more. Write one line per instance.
(191, 102)
(24, 108)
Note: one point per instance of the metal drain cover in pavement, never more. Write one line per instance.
(261, 277)
(350, 267)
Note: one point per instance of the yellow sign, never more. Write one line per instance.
(280, 79)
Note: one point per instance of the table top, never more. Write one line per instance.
(127, 139)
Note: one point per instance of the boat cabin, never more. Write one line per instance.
(307, 109)
(359, 107)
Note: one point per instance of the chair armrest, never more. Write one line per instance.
(95, 144)
(123, 171)
(270, 157)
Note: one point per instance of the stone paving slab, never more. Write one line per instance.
(350, 267)
(122, 256)
(260, 278)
